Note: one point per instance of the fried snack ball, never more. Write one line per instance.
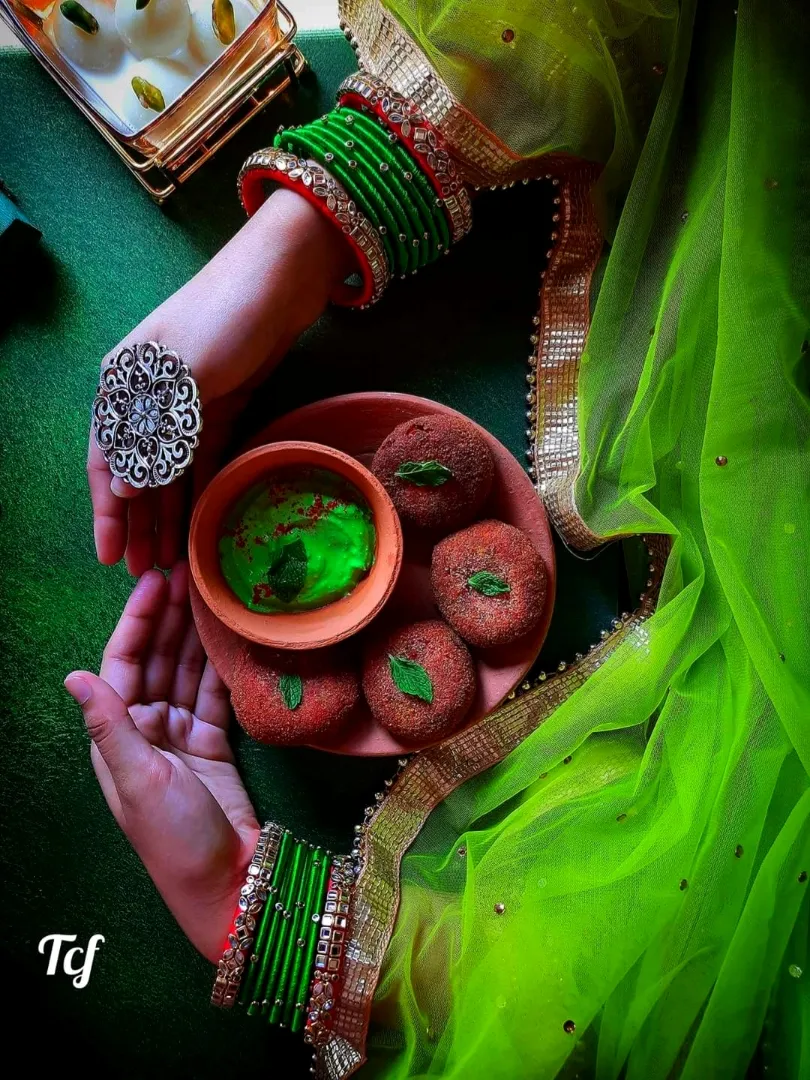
(489, 582)
(438, 471)
(446, 662)
(285, 698)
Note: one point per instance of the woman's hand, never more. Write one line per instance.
(158, 717)
(231, 324)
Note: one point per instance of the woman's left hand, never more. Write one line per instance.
(158, 715)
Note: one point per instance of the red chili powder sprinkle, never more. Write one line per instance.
(261, 591)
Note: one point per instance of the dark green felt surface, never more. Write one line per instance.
(457, 333)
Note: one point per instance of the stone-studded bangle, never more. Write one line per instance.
(277, 979)
(252, 900)
(333, 936)
(407, 121)
(388, 220)
(332, 200)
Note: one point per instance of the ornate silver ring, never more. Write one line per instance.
(146, 415)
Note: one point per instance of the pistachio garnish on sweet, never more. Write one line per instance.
(81, 18)
(223, 20)
(141, 4)
(148, 94)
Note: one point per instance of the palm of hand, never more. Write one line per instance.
(158, 717)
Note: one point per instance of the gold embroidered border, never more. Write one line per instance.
(563, 322)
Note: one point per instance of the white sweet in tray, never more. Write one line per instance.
(140, 55)
(85, 33)
(156, 28)
(205, 42)
(166, 78)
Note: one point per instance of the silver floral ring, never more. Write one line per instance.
(146, 415)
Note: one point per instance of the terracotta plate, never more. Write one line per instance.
(357, 424)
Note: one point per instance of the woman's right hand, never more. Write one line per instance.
(231, 324)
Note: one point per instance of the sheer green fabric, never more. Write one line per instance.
(656, 885)
(548, 76)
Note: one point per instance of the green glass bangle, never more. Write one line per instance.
(313, 935)
(288, 949)
(268, 915)
(363, 177)
(399, 199)
(396, 155)
(278, 937)
(309, 144)
(299, 941)
(295, 1010)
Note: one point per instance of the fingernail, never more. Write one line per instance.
(118, 486)
(77, 688)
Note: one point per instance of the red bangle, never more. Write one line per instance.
(332, 200)
(406, 120)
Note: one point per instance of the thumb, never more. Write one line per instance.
(123, 748)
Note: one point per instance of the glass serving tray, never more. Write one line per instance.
(163, 152)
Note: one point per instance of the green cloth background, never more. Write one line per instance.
(457, 333)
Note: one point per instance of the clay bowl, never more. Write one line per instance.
(297, 630)
(357, 424)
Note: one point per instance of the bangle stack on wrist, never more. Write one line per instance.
(379, 169)
(284, 954)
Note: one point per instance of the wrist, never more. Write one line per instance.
(380, 173)
(204, 903)
(245, 308)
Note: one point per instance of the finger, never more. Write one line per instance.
(187, 675)
(150, 720)
(140, 553)
(123, 749)
(171, 505)
(123, 660)
(169, 634)
(213, 704)
(109, 512)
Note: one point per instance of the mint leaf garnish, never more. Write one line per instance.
(410, 677)
(424, 473)
(292, 690)
(288, 571)
(488, 584)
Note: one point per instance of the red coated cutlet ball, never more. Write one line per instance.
(489, 582)
(446, 662)
(458, 447)
(266, 691)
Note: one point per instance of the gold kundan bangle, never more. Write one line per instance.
(252, 898)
